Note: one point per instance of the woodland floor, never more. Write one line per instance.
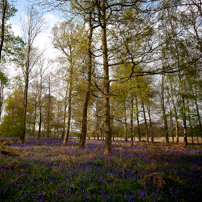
(48, 170)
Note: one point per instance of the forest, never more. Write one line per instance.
(113, 113)
(126, 69)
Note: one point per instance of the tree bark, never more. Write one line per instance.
(69, 115)
(131, 120)
(87, 93)
(175, 112)
(137, 118)
(4, 7)
(40, 108)
(35, 109)
(180, 83)
(190, 123)
(171, 120)
(145, 121)
(112, 128)
(40, 121)
(49, 104)
(125, 121)
(22, 136)
(1, 96)
(107, 130)
(69, 99)
(183, 110)
(197, 110)
(32, 26)
(150, 123)
(65, 114)
(164, 111)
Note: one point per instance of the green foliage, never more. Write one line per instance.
(12, 124)
(3, 78)
(10, 11)
(13, 45)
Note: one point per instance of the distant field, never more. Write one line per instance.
(181, 139)
(162, 139)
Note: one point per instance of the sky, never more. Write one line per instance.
(20, 5)
(43, 41)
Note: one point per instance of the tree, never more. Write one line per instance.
(88, 83)
(131, 120)
(150, 119)
(164, 109)
(137, 117)
(178, 50)
(12, 123)
(48, 107)
(7, 11)
(65, 39)
(106, 13)
(4, 9)
(175, 110)
(34, 105)
(3, 82)
(127, 37)
(191, 22)
(9, 44)
(32, 25)
(42, 69)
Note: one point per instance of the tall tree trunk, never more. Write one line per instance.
(54, 130)
(101, 134)
(197, 110)
(97, 120)
(175, 112)
(107, 130)
(35, 109)
(180, 82)
(190, 123)
(49, 104)
(164, 111)
(69, 115)
(183, 110)
(137, 118)
(145, 121)
(40, 122)
(171, 120)
(69, 100)
(65, 114)
(125, 122)
(131, 120)
(172, 128)
(27, 66)
(1, 96)
(112, 128)
(87, 93)
(4, 8)
(40, 107)
(150, 123)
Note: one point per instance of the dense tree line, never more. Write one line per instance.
(124, 68)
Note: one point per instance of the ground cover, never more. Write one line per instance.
(50, 171)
